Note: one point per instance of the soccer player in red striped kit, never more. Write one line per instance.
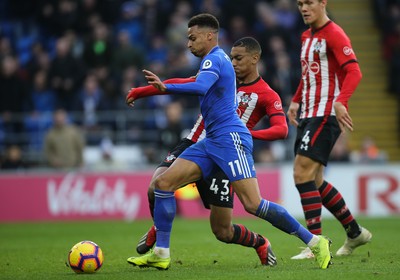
(330, 74)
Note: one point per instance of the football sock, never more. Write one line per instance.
(334, 202)
(312, 205)
(164, 214)
(281, 219)
(245, 237)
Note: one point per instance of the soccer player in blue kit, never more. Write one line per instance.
(228, 146)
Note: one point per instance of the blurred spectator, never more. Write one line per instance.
(283, 78)
(65, 74)
(43, 98)
(13, 159)
(39, 61)
(176, 31)
(99, 48)
(158, 50)
(238, 28)
(58, 16)
(286, 14)
(39, 120)
(14, 100)
(91, 102)
(171, 131)
(369, 152)
(125, 54)
(5, 48)
(64, 143)
(131, 22)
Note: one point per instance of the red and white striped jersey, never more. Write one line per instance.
(255, 101)
(324, 53)
(198, 131)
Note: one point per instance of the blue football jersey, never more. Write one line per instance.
(218, 102)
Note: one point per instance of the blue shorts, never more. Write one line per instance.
(230, 152)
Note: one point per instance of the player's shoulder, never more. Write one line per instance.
(334, 31)
(215, 57)
(259, 87)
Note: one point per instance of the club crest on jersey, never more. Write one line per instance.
(244, 100)
(317, 47)
(207, 64)
(347, 50)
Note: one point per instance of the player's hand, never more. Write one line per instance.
(130, 98)
(292, 113)
(154, 80)
(343, 117)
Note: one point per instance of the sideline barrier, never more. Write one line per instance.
(82, 196)
(368, 190)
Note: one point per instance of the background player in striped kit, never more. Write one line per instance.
(255, 100)
(227, 146)
(330, 74)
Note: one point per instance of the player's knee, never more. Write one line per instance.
(161, 184)
(222, 233)
(251, 207)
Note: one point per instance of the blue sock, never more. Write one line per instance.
(164, 214)
(281, 219)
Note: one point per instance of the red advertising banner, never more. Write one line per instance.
(80, 196)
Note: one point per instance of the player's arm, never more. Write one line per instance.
(278, 129)
(140, 92)
(294, 105)
(350, 82)
(344, 54)
(204, 81)
(352, 77)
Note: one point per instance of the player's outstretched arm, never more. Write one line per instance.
(140, 92)
(154, 80)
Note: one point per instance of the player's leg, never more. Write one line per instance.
(179, 174)
(314, 141)
(333, 200)
(304, 172)
(233, 154)
(148, 240)
(225, 231)
(217, 195)
(249, 194)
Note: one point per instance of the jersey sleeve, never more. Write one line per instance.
(145, 91)
(208, 74)
(278, 126)
(341, 48)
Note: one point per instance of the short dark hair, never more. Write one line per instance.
(204, 20)
(251, 44)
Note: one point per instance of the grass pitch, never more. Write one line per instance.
(39, 251)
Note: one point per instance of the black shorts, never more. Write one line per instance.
(172, 155)
(216, 191)
(316, 137)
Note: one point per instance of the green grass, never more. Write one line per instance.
(39, 251)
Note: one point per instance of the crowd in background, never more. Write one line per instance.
(387, 18)
(83, 56)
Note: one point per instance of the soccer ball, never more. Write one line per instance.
(85, 257)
